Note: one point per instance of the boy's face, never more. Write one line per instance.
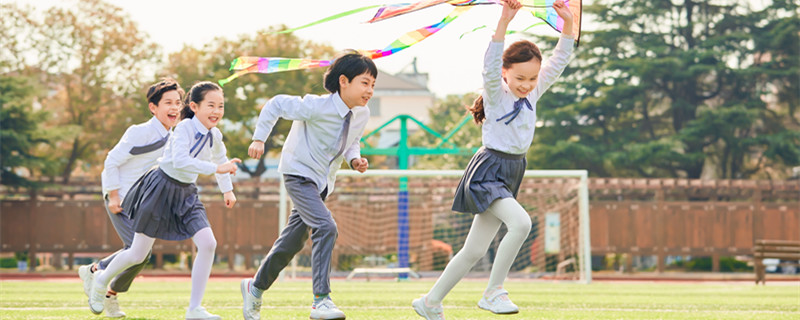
(168, 108)
(522, 77)
(211, 109)
(356, 93)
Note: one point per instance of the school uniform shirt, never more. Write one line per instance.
(137, 151)
(314, 138)
(193, 149)
(498, 101)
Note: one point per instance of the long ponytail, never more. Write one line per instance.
(477, 110)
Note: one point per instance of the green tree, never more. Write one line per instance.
(677, 89)
(19, 131)
(246, 95)
(95, 60)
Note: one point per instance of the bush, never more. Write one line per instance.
(7, 263)
(726, 264)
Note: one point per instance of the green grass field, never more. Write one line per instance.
(155, 298)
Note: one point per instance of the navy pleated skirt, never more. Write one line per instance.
(489, 176)
(165, 208)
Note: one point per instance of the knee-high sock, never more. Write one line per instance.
(518, 223)
(134, 255)
(201, 268)
(484, 228)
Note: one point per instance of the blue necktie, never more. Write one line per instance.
(517, 108)
(343, 136)
(201, 138)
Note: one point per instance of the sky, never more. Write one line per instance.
(453, 65)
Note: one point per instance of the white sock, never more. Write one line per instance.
(134, 255)
(201, 268)
(518, 223)
(484, 228)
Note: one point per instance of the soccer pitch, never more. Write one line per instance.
(156, 298)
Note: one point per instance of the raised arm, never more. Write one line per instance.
(280, 106)
(493, 59)
(556, 64)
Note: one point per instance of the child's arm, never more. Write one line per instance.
(353, 152)
(110, 176)
(493, 59)
(510, 8)
(556, 64)
(225, 168)
(280, 106)
(182, 140)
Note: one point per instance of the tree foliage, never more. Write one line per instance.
(677, 89)
(20, 131)
(90, 59)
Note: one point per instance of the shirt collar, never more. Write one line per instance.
(341, 107)
(154, 122)
(199, 126)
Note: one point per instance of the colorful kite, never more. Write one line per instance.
(539, 8)
(244, 65)
(542, 9)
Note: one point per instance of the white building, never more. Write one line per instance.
(396, 94)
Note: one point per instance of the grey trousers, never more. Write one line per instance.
(124, 228)
(309, 212)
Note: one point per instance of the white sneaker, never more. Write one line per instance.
(200, 313)
(85, 272)
(327, 310)
(251, 309)
(429, 313)
(97, 296)
(498, 302)
(111, 306)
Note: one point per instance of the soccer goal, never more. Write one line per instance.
(400, 222)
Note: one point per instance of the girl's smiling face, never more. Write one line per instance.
(522, 77)
(210, 111)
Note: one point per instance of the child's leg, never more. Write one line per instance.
(484, 228)
(291, 240)
(135, 254)
(124, 228)
(201, 268)
(311, 209)
(518, 223)
(123, 281)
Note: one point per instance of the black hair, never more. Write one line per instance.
(350, 65)
(157, 90)
(520, 51)
(197, 94)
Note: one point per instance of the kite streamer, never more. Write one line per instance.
(542, 9)
(245, 65)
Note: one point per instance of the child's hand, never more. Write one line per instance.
(510, 8)
(229, 167)
(563, 11)
(360, 165)
(230, 199)
(256, 149)
(114, 203)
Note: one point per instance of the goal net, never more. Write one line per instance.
(399, 221)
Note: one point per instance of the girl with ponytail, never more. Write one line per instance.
(507, 109)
